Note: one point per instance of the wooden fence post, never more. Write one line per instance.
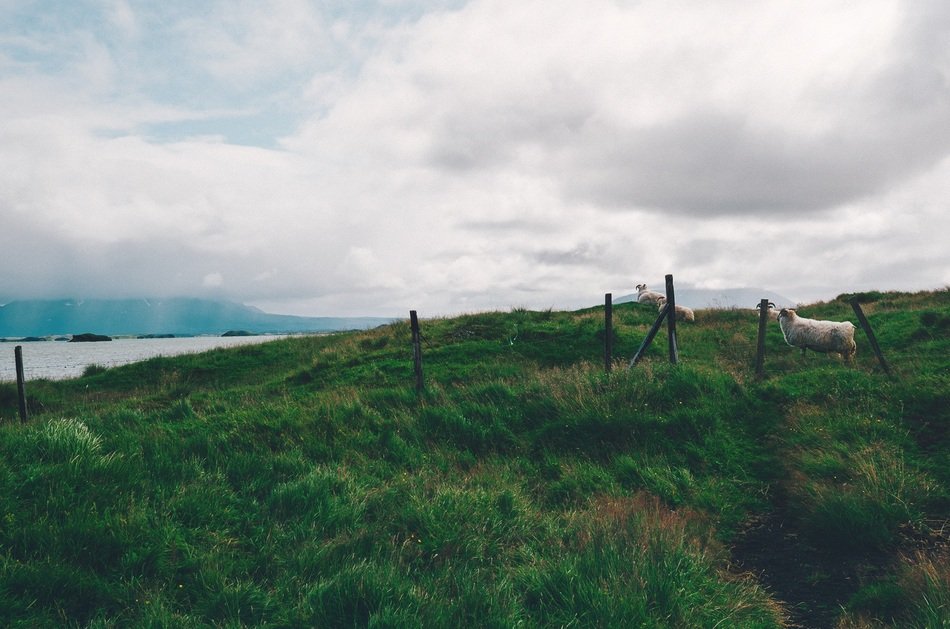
(760, 345)
(608, 331)
(671, 319)
(416, 349)
(649, 339)
(870, 333)
(20, 382)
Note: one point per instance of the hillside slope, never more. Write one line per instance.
(304, 482)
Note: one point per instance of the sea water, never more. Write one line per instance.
(56, 360)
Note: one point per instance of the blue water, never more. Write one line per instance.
(57, 360)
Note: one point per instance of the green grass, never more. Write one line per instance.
(304, 482)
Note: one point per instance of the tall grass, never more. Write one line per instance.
(305, 483)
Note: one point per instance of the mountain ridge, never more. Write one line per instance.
(180, 316)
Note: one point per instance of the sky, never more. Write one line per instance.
(359, 157)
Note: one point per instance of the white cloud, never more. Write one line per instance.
(651, 106)
(122, 16)
(244, 42)
(212, 280)
(497, 154)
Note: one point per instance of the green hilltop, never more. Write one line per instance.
(304, 482)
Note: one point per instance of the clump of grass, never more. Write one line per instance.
(918, 596)
(67, 439)
(926, 580)
(634, 562)
(865, 297)
(93, 370)
(864, 509)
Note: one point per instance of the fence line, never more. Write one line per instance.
(667, 312)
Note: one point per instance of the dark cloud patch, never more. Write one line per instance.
(713, 163)
(852, 137)
(543, 113)
(508, 226)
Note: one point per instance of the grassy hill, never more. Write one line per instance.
(304, 482)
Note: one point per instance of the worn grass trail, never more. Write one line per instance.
(858, 513)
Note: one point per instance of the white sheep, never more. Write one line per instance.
(818, 336)
(647, 296)
(682, 312)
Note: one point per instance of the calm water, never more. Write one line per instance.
(56, 360)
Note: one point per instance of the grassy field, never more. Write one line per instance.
(304, 482)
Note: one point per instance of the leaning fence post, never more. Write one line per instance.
(870, 333)
(20, 382)
(760, 346)
(671, 319)
(608, 331)
(416, 349)
(649, 339)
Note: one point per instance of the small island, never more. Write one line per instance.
(89, 337)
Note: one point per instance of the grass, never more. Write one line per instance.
(304, 482)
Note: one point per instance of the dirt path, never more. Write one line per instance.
(812, 584)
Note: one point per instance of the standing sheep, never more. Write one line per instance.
(647, 296)
(818, 336)
(682, 312)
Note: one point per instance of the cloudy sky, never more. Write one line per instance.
(344, 157)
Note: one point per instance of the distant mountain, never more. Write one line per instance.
(721, 298)
(178, 316)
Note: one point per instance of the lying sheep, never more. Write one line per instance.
(818, 336)
(647, 296)
(682, 312)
